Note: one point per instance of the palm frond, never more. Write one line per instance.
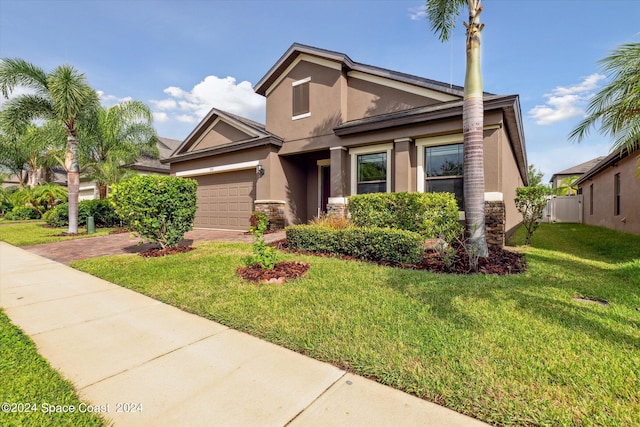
(20, 111)
(16, 72)
(442, 15)
(71, 93)
(615, 109)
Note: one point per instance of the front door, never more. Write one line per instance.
(325, 187)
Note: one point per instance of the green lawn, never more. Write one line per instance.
(25, 233)
(33, 386)
(509, 350)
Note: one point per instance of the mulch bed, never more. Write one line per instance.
(84, 233)
(158, 252)
(500, 261)
(120, 231)
(282, 271)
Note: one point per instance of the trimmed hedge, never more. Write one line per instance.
(373, 244)
(102, 211)
(429, 214)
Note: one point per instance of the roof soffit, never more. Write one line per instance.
(405, 87)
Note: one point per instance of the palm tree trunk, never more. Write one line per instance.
(73, 179)
(102, 190)
(473, 124)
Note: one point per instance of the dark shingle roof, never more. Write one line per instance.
(296, 49)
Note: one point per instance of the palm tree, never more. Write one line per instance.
(616, 107)
(62, 95)
(566, 187)
(34, 148)
(117, 136)
(442, 15)
(108, 172)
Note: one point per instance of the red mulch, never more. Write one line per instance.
(120, 231)
(500, 261)
(70, 234)
(158, 252)
(282, 271)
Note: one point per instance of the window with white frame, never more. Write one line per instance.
(441, 166)
(370, 169)
(300, 97)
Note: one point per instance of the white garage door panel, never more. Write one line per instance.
(225, 200)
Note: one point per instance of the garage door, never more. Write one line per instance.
(225, 200)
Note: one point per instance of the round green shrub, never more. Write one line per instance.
(159, 208)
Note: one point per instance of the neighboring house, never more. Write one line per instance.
(577, 170)
(334, 128)
(611, 193)
(146, 165)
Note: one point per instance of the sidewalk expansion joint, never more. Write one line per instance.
(317, 398)
(153, 358)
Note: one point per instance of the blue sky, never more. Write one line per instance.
(184, 57)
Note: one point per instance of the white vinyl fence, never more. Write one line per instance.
(563, 209)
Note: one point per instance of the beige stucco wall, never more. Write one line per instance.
(262, 154)
(324, 103)
(510, 180)
(603, 198)
(221, 133)
(366, 99)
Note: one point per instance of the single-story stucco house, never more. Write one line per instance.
(611, 193)
(334, 128)
(577, 170)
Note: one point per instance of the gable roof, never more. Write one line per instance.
(256, 132)
(578, 169)
(166, 146)
(297, 49)
(604, 163)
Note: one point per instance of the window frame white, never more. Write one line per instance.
(369, 149)
(298, 83)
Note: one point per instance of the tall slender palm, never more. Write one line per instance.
(62, 95)
(117, 136)
(442, 15)
(616, 107)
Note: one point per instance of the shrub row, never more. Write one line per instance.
(22, 212)
(102, 211)
(429, 214)
(374, 244)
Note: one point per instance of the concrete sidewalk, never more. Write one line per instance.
(169, 367)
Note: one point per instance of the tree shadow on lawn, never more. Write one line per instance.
(545, 293)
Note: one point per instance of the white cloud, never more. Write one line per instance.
(111, 100)
(417, 13)
(565, 103)
(185, 118)
(222, 93)
(165, 104)
(160, 117)
(17, 91)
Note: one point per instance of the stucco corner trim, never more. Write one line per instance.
(218, 169)
(494, 196)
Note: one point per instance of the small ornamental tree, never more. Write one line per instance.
(159, 208)
(531, 202)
